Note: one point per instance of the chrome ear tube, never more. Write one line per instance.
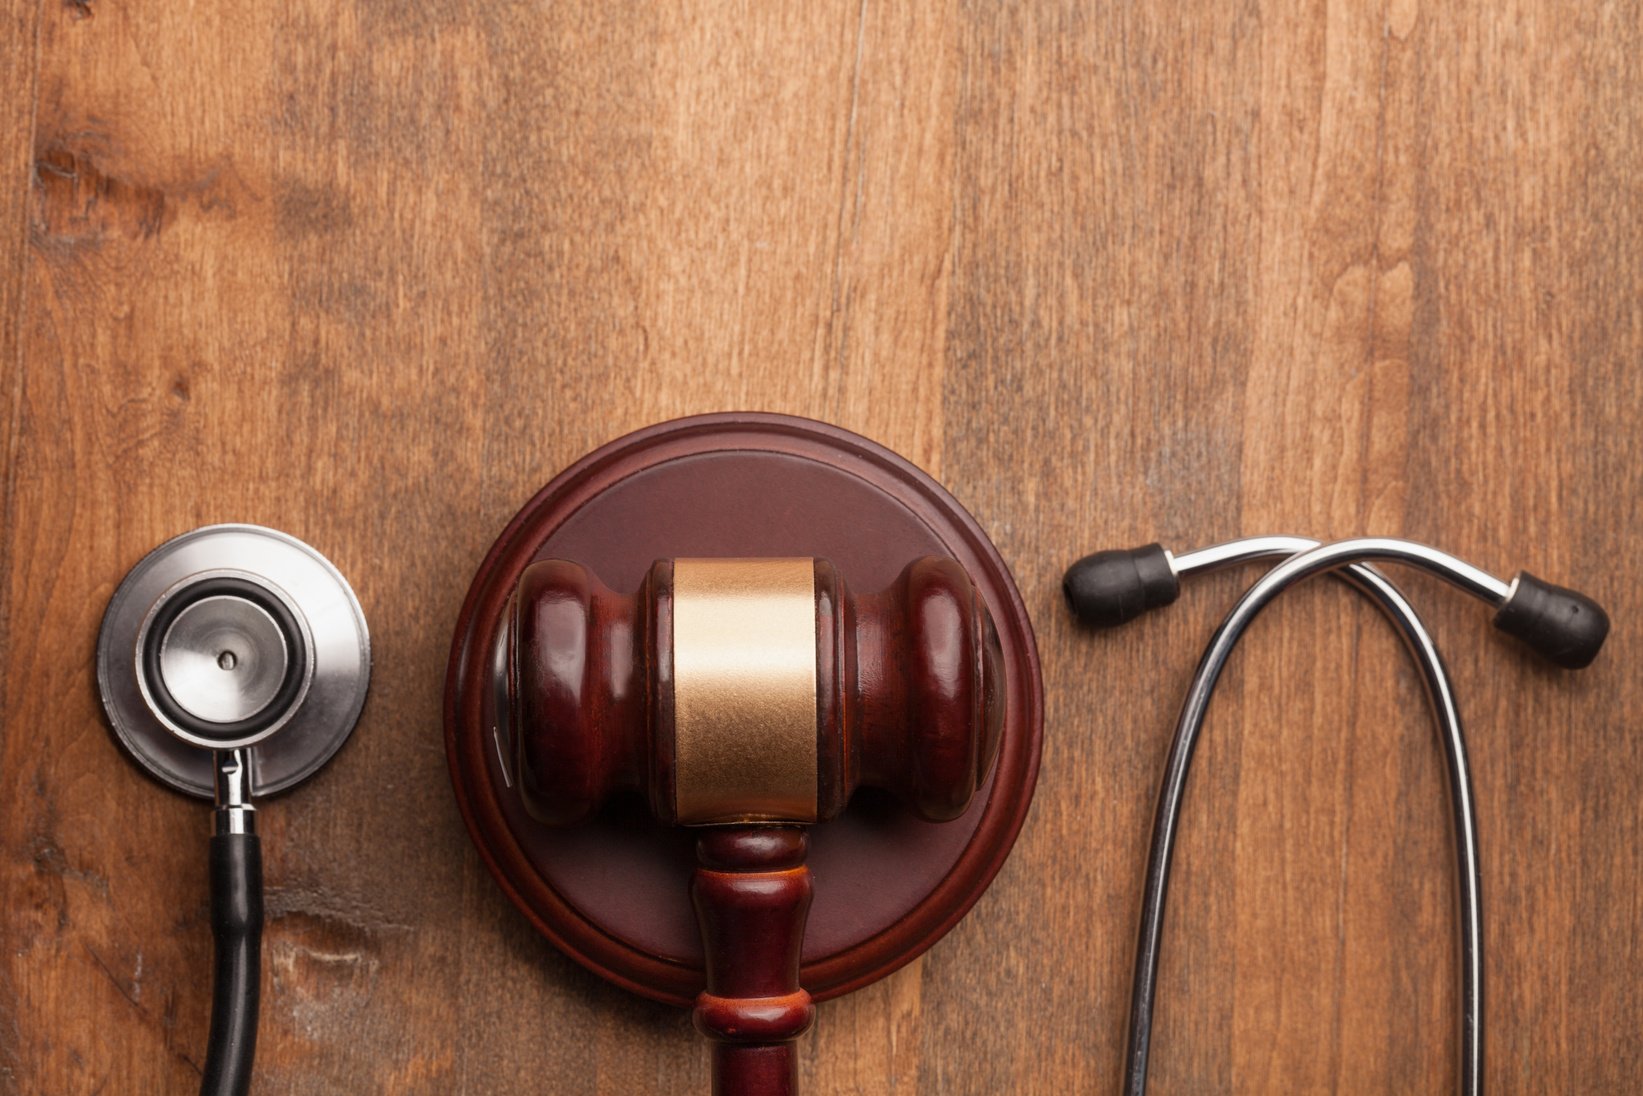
(232, 663)
(1109, 588)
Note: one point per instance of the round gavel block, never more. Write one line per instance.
(899, 567)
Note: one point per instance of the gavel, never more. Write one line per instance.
(751, 698)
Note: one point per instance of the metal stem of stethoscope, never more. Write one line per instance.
(1307, 559)
(234, 812)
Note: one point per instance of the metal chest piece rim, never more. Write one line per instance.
(233, 637)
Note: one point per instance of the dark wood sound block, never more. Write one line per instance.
(613, 893)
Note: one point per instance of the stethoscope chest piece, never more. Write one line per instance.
(233, 637)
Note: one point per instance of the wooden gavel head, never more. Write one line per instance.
(751, 690)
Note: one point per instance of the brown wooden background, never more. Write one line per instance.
(371, 272)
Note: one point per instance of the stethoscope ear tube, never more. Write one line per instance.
(1561, 625)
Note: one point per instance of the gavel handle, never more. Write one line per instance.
(752, 894)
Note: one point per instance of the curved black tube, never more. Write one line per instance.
(236, 925)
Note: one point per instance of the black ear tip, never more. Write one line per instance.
(1563, 626)
(1111, 587)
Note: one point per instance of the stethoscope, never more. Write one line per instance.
(1113, 587)
(234, 660)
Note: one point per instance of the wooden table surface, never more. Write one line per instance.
(373, 272)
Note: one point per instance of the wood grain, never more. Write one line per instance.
(372, 273)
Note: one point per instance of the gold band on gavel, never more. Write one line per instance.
(744, 690)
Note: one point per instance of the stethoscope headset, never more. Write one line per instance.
(233, 663)
(1113, 587)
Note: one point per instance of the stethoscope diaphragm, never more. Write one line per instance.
(233, 637)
